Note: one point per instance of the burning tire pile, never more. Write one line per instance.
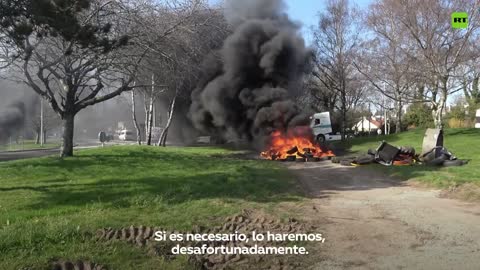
(296, 144)
(246, 222)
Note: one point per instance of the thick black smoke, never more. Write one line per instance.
(12, 120)
(247, 87)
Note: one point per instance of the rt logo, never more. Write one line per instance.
(459, 20)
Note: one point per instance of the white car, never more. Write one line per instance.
(204, 140)
(126, 135)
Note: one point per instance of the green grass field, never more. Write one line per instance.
(50, 208)
(463, 143)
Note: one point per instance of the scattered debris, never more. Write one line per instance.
(386, 154)
(440, 156)
(432, 138)
(433, 154)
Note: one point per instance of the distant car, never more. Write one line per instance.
(203, 140)
(126, 135)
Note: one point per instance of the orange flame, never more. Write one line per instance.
(296, 142)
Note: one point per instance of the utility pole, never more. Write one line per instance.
(41, 123)
(370, 118)
(385, 108)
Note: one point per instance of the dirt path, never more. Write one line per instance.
(372, 222)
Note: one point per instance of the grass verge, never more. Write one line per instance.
(50, 207)
(463, 143)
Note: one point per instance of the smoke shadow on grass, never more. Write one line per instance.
(170, 190)
(324, 179)
(116, 179)
(119, 177)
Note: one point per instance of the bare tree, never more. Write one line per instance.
(171, 109)
(150, 98)
(385, 62)
(470, 76)
(50, 120)
(336, 42)
(159, 27)
(134, 117)
(317, 95)
(439, 50)
(5, 52)
(178, 40)
(80, 69)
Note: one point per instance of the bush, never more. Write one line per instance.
(458, 117)
(419, 116)
(459, 123)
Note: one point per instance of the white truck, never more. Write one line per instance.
(322, 128)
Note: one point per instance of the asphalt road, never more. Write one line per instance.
(14, 155)
(85, 144)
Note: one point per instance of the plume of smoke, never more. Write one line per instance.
(12, 120)
(245, 93)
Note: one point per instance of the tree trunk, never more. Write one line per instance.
(438, 115)
(134, 118)
(398, 120)
(163, 137)
(475, 95)
(149, 121)
(147, 117)
(44, 136)
(37, 136)
(438, 111)
(344, 115)
(68, 127)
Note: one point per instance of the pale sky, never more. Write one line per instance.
(305, 11)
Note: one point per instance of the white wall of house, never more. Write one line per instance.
(365, 125)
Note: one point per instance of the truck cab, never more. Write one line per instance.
(322, 128)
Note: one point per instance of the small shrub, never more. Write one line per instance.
(419, 115)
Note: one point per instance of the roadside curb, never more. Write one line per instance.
(30, 150)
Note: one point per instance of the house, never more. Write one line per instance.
(369, 124)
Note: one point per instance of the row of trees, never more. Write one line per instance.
(395, 52)
(78, 53)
